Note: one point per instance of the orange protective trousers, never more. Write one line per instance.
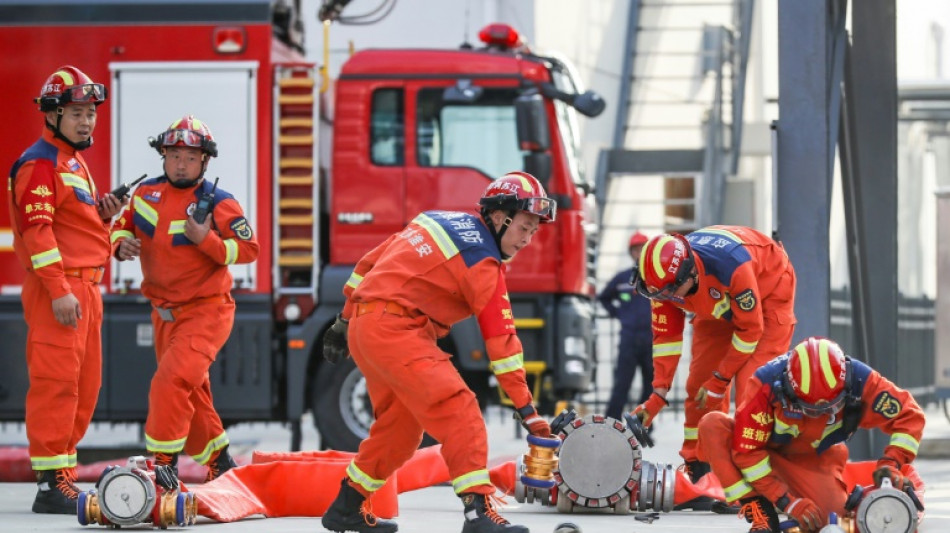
(711, 340)
(179, 400)
(819, 478)
(65, 368)
(414, 387)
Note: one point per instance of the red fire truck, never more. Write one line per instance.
(407, 131)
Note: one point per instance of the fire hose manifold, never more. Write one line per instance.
(133, 494)
(598, 465)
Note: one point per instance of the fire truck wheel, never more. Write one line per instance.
(342, 411)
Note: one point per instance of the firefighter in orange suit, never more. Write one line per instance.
(403, 296)
(785, 445)
(186, 278)
(740, 285)
(61, 237)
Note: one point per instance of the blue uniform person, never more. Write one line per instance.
(636, 336)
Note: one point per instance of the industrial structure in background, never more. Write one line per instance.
(407, 130)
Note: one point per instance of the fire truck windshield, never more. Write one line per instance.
(480, 134)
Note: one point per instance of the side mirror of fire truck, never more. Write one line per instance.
(533, 135)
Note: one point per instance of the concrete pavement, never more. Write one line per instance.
(437, 510)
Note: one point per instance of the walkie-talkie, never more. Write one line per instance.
(205, 204)
(123, 189)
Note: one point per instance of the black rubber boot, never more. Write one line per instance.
(220, 463)
(55, 493)
(481, 516)
(696, 470)
(760, 512)
(348, 513)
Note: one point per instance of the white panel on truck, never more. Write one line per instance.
(146, 97)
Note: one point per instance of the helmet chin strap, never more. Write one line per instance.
(498, 234)
(82, 145)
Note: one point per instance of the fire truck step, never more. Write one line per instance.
(296, 122)
(296, 162)
(296, 82)
(295, 180)
(296, 243)
(295, 99)
(296, 140)
(289, 260)
(296, 203)
(295, 220)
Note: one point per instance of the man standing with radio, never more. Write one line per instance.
(193, 310)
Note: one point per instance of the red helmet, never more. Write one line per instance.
(637, 239)
(665, 264)
(816, 376)
(518, 191)
(186, 131)
(69, 85)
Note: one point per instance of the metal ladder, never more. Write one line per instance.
(296, 242)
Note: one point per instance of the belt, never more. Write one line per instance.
(168, 314)
(388, 307)
(90, 274)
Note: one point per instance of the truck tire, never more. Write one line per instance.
(342, 410)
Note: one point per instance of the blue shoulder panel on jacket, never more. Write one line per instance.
(468, 234)
(39, 150)
(720, 252)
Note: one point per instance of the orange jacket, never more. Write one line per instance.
(765, 423)
(740, 273)
(175, 270)
(446, 266)
(54, 213)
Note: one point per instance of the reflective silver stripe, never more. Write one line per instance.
(743, 346)
(472, 479)
(230, 251)
(690, 433)
(438, 234)
(176, 227)
(905, 441)
(354, 281)
(46, 258)
(721, 307)
(723, 233)
(758, 470)
(54, 462)
(736, 491)
(121, 234)
(145, 211)
(164, 446)
(362, 479)
(71, 459)
(508, 364)
(214, 445)
(827, 431)
(667, 349)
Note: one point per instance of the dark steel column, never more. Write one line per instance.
(804, 155)
(873, 91)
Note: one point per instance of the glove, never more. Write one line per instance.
(335, 347)
(532, 421)
(712, 392)
(806, 513)
(647, 410)
(887, 468)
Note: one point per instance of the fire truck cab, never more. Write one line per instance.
(405, 131)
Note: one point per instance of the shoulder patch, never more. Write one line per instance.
(746, 300)
(886, 405)
(241, 228)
